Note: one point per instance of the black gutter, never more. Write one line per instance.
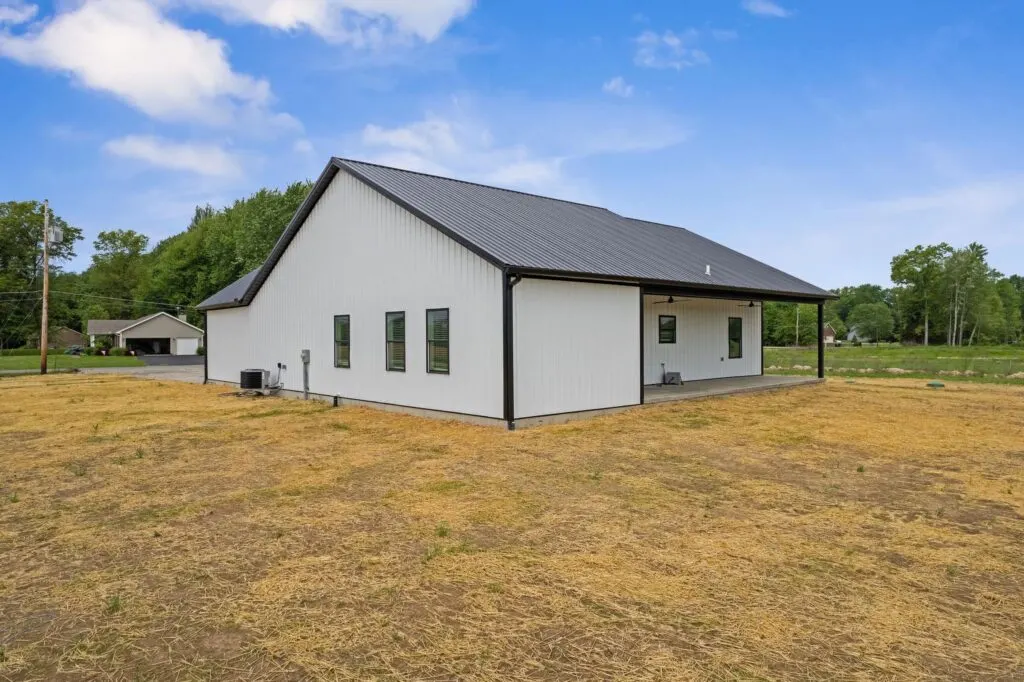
(641, 346)
(335, 165)
(821, 341)
(433, 222)
(323, 182)
(668, 287)
(762, 338)
(509, 280)
(206, 350)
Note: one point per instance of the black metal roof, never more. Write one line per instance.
(530, 234)
(231, 295)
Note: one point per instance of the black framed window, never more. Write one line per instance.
(342, 341)
(666, 328)
(394, 329)
(437, 341)
(735, 337)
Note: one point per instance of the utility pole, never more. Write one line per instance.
(43, 340)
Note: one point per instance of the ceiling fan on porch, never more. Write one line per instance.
(752, 304)
(671, 299)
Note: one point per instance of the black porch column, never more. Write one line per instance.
(821, 340)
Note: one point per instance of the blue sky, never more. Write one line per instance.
(822, 137)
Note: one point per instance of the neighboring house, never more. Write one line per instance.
(157, 334)
(829, 335)
(60, 337)
(432, 294)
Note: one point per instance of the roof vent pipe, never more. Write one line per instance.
(707, 270)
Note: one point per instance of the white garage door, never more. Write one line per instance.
(185, 347)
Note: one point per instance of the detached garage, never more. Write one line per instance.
(158, 334)
(428, 294)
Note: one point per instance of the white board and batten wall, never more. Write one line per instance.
(701, 350)
(576, 346)
(362, 255)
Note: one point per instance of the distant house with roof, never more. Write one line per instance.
(59, 337)
(157, 334)
(829, 335)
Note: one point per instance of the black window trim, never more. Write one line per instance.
(675, 326)
(387, 365)
(349, 365)
(426, 320)
(728, 338)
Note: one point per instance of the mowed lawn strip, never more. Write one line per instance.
(991, 364)
(168, 531)
(57, 360)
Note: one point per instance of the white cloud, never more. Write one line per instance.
(669, 50)
(765, 8)
(973, 202)
(619, 87)
(457, 147)
(467, 139)
(16, 12)
(302, 146)
(362, 23)
(724, 35)
(204, 159)
(126, 48)
(462, 148)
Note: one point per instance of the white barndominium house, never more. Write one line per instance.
(438, 296)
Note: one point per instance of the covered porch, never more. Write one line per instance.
(706, 388)
(696, 343)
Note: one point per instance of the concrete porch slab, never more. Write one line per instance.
(707, 388)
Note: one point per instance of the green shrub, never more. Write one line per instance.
(118, 352)
(19, 352)
(201, 350)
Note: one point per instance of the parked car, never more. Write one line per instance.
(74, 350)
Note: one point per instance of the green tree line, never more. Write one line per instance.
(940, 294)
(126, 279)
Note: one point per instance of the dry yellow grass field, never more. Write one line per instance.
(867, 531)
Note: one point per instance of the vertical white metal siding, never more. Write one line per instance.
(576, 346)
(701, 350)
(362, 255)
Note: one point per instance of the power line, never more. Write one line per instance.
(109, 298)
(124, 300)
(4, 327)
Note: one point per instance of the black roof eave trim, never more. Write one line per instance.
(433, 222)
(335, 165)
(221, 306)
(677, 288)
(322, 183)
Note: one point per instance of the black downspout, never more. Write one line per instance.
(762, 338)
(821, 341)
(206, 348)
(641, 346)
(510, 280)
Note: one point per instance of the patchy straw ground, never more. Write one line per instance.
(165, 531)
